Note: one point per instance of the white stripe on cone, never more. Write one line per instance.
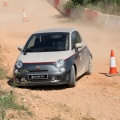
(24, 15)
(112, 62)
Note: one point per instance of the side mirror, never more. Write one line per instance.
(20, 48)
(78, 45)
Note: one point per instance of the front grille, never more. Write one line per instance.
(38, 70)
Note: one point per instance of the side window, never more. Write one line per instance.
(31, 43)
(75, 38)
(78, 38)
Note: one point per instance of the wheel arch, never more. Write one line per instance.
(75, 69)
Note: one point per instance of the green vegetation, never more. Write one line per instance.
(104, 6)
(8, 102)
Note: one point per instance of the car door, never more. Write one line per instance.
(80, 54)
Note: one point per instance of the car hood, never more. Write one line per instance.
(44, 56)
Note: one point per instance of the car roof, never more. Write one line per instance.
(68, 30)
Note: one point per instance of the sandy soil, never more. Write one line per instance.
(96, 96)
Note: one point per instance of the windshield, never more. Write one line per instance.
(47, 42)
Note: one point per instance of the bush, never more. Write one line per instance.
(105, 6)
(69, 4)
(76, 2)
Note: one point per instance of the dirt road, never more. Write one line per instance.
(96, 96)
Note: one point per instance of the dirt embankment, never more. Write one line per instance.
(97, 95)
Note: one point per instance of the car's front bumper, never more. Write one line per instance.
(54, 78)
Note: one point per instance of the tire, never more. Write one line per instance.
(72, 82)
(90, 67)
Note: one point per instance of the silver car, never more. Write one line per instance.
(52, 57)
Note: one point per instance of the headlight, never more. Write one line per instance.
(60, 63)
(19, 64)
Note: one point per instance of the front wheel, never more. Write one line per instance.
(90, 67)
(72, 77)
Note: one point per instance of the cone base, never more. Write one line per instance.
(25, 20)
(113, 70)
(111, 75)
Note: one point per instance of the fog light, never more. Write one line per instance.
(62, 69)
(16, 71)
(54, 78)
(23, 79)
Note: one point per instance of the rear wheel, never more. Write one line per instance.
(90, 67)
(72, 77)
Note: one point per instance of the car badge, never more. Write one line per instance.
(37, 68)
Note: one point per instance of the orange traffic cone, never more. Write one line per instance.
(113, 69)
(5, 3)
(24, 16)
